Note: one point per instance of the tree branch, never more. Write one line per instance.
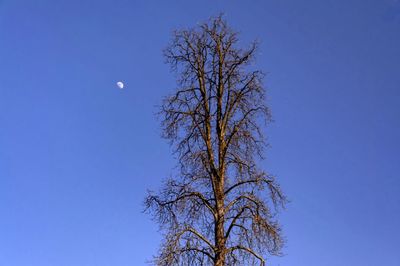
(250, 251)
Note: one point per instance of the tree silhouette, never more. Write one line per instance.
(220, 209)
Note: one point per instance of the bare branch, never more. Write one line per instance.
(262, 261)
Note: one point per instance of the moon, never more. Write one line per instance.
(120, 85)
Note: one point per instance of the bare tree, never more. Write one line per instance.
(220, 209)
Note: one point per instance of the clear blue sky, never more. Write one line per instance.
(77, 154)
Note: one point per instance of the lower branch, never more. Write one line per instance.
(250, 251)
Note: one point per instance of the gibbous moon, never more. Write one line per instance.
(120, 85)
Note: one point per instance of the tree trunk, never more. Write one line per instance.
(220, 243)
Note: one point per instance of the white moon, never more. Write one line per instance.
(120, 85)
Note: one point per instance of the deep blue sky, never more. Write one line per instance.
(77, 154)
